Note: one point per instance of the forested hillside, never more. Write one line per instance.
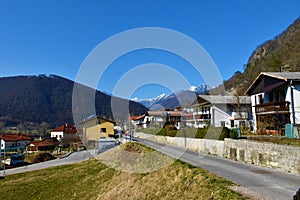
(36, 100)
(280, 53)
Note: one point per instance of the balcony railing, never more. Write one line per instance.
(273, 107)
(197, 116)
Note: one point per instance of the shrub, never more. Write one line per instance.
(234, 134)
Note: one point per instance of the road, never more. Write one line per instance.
(72, 158)
(264, 181)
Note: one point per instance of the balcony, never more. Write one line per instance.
(273, 108)
(192, 117)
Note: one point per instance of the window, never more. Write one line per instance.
(260, 98)
(271, 97)
(103, 130)
(281, 95)
(231, 123)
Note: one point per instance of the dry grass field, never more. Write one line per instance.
(94, 180)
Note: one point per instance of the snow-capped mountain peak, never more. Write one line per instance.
(173, 100)
(150, 102)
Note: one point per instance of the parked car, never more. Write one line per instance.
(14, 160)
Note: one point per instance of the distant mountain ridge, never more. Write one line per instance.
(176, 99)
(38, 99)
(151, 101)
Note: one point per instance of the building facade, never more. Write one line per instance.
(12, 142)
(62, 131)
(275, 100)
(96, 128)
(219, 111)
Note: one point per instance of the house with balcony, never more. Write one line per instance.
(219, 111)
(142, 121)
(275, 100)
(161, 118)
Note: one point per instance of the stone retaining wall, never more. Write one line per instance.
(282, 157)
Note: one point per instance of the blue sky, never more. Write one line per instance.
(56, 36)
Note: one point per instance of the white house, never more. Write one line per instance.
(165, 117)
(61, 131)
(275, 100)
(140, 121)
(14, 141)
(219, 111)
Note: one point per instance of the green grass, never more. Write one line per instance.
(93, 180)
(217, 133)
(276, 140)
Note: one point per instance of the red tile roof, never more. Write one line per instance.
(45, 142)
(15, 137)
(137, 117)
(66, 128)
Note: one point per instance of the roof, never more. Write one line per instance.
(214, 99)
(66, 128)
(15, 137)
(137, 117)
(45, 142)
(282, 76)
(96, 117)
(164, 113)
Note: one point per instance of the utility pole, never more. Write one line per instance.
(0, 153)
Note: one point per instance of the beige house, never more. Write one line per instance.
(96, 128)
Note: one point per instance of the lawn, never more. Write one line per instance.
(94, 180)
(217, 133)
(276, 140)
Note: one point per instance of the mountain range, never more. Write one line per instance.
(176, 99)
(35, 100)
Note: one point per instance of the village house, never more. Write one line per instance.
(159, 119)
(275, 100)
(96, 128)
(219, 111)
(142, 121)
(45, 144)
(14, 142)
(63, 131)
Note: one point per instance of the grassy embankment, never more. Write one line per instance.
(93, 180)
(217, 133)
(277, 140)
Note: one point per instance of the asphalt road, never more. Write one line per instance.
(72, 158)
(264, 181)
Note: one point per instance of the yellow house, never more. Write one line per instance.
(96, 128)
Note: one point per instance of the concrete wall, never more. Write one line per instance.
(281, 157)
(214, 147)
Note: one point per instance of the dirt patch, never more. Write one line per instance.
(135, 148)
(42, 157)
